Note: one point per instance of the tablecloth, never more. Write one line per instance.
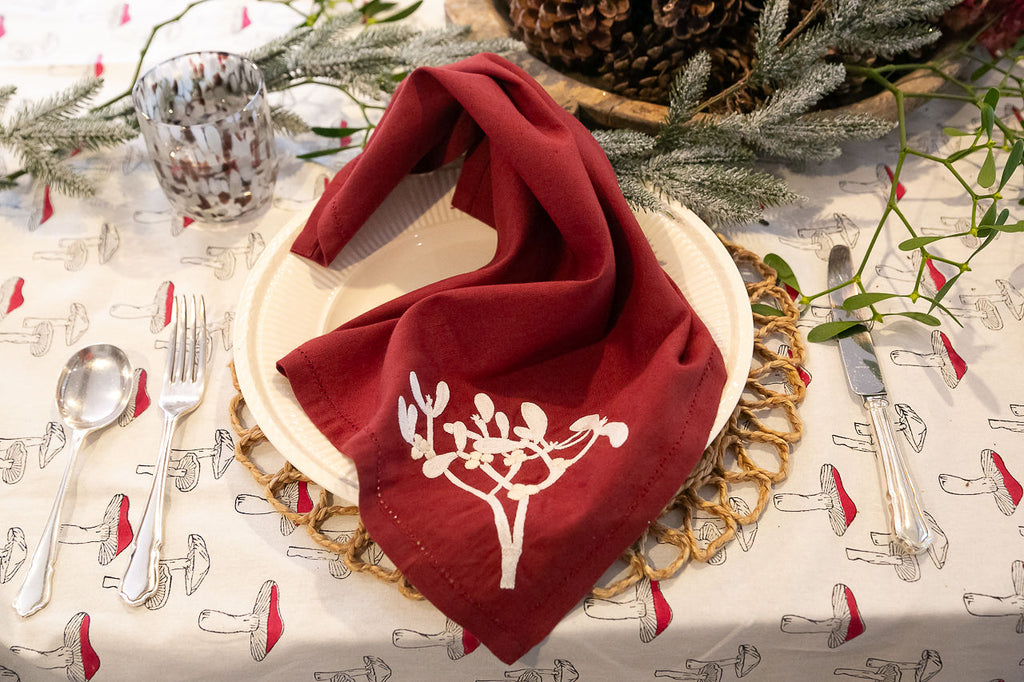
(810, 594)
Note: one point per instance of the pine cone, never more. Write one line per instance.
(692, 18)
(572, 33)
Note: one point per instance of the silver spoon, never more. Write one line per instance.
(92, 391)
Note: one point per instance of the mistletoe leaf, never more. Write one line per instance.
(782, 269)
(865, 299)
(829, 330)
(923, 318)
(987, 174)
(918, 242)
(1012, 162)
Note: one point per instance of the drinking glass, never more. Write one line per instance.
(206, 124)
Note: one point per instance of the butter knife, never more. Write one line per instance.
(865, 377)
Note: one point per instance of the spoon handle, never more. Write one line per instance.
(140, 578)
(35, 591)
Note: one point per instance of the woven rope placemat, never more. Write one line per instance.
(713, 507)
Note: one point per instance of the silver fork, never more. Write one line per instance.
(184, 379)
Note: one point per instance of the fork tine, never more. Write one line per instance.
(202, 341)
(173, 343)
(181, 338)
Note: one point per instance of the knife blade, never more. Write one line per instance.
(864, 374)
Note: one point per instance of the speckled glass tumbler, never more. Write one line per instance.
(206, 123)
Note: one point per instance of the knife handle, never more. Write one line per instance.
(908, 522)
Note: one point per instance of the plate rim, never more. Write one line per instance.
(278, 250)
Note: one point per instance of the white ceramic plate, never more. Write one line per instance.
(416, 238)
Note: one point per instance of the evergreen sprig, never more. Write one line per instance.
(42, 135)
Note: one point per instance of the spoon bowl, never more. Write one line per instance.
(94, 388)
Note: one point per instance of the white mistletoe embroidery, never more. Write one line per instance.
(516, 445)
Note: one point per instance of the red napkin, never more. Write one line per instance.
(514, 428)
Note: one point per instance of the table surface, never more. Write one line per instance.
(965, 605)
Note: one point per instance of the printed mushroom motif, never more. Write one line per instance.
(184, 470)
(1012, 605)
(943, 355)
(39, 338)
(936, 550)
(220, 454)
(705, 534)
(163, 587)
(77, 657)
(335, 562)
(1008, 295)
(12, 554)
(114, 533)
(845, 624)
(295, 496)
(263, 623)
(747, 658)
(49, 444)
(11, 296)
(709, 672)
(254, 246)
(910, 424)
(903, 562)
(454, 638)
(885, 673)
(158, 312)
(648, 606)
(12, 463)
(222, 264)
(564, 671)
(924, 669)
(374, 670)
(8, 675)
(76, 251)
(72, 253)
(139, 400)
(984, 310)
(833, 498)
(195, 564)
(224, 328)
(75, 324)
(996, 479)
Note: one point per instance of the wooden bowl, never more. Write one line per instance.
(488, 19)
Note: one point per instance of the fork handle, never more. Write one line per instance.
(140, 578)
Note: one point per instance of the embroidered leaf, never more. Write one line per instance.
(589, 423)
(484, 406)
(617, 432)
(494, 446)
(417, 395)
(441, 397)
(406, 419)
(459, 433)
(438, 464)
(501, 419)
(536, 420)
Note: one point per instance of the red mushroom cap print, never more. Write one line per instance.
(139, 400)
(648, 606)
(833, 498)
(845, 624)
(79, 660)
(954, 367)
(996, 479)
(11, 297)
(943, 355)
(115, 520)
(1008, 492)
(263, 623)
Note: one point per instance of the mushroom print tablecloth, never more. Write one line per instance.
(817, 590)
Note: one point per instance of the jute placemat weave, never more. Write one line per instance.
(713, 507)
